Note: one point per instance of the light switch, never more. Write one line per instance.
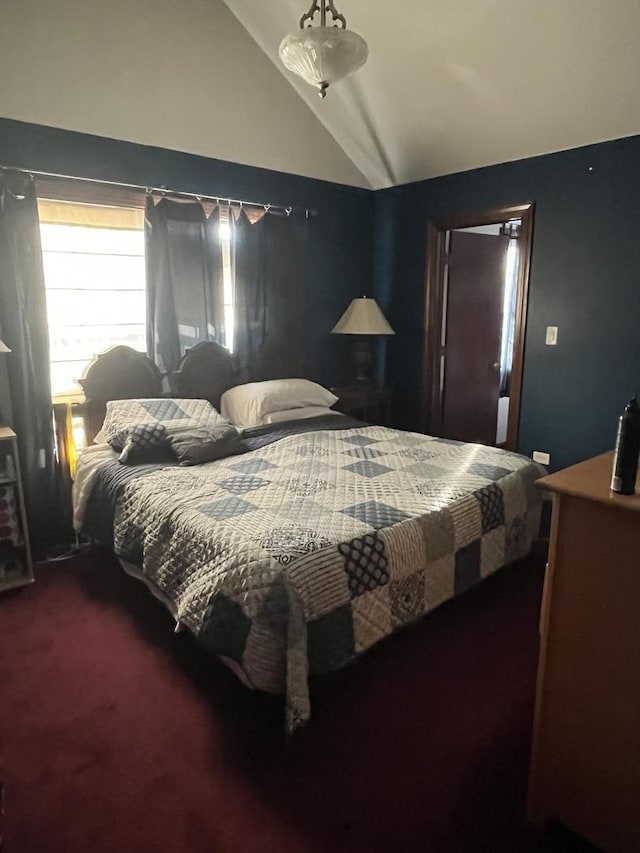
(552, 336)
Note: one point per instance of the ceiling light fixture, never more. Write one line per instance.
(322, 54)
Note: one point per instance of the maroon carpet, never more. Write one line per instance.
(117, 735)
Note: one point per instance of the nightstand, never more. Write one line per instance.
(370, 403)
(16, 565)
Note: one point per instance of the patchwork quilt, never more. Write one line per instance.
(298, 556)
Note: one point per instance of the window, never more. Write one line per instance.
(94, 269)
(95, 282)
(225, 239)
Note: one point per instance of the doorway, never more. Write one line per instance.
(476, 303)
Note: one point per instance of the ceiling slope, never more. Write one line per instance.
(455, 85)
(177, 74)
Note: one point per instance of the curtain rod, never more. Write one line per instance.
(164, 191)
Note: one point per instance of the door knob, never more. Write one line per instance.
(496, 365)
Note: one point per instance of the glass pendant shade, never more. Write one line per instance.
(323, 55)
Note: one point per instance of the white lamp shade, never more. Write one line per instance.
(323, 55)
(4, 347)
(363, 317)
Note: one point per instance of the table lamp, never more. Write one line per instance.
(363, 318)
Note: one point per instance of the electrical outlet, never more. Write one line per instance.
(551, 338)
(541, 457)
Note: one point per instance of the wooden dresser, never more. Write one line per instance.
(585, 769)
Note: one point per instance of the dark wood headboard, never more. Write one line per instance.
(205, 372)
(120, 373)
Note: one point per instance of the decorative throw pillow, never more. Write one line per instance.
(175, 414)
(144, 443)
(196, 446)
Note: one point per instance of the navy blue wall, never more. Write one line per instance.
(340, 255)
(585, 274)
(585, 279)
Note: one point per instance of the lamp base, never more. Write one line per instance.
(362, 360)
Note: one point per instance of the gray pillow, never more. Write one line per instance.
(144, 443)
(197, 445)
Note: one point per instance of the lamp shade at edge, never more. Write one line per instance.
(363, 317)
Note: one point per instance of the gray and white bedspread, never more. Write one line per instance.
(294, 558)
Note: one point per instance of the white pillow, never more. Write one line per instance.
(247, 405)
(298, 414)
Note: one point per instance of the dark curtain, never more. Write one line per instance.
(185, 297)
(248, 263)
(271, 316)
(23, 327)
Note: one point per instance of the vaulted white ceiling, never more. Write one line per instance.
(455, 84)
(177, 74)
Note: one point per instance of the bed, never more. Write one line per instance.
(328, 535)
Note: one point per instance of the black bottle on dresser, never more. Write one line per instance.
(625, 461)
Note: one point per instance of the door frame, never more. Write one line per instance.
(432, 375)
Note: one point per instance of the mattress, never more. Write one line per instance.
(329, 535)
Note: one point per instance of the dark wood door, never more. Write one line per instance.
(473, 309)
